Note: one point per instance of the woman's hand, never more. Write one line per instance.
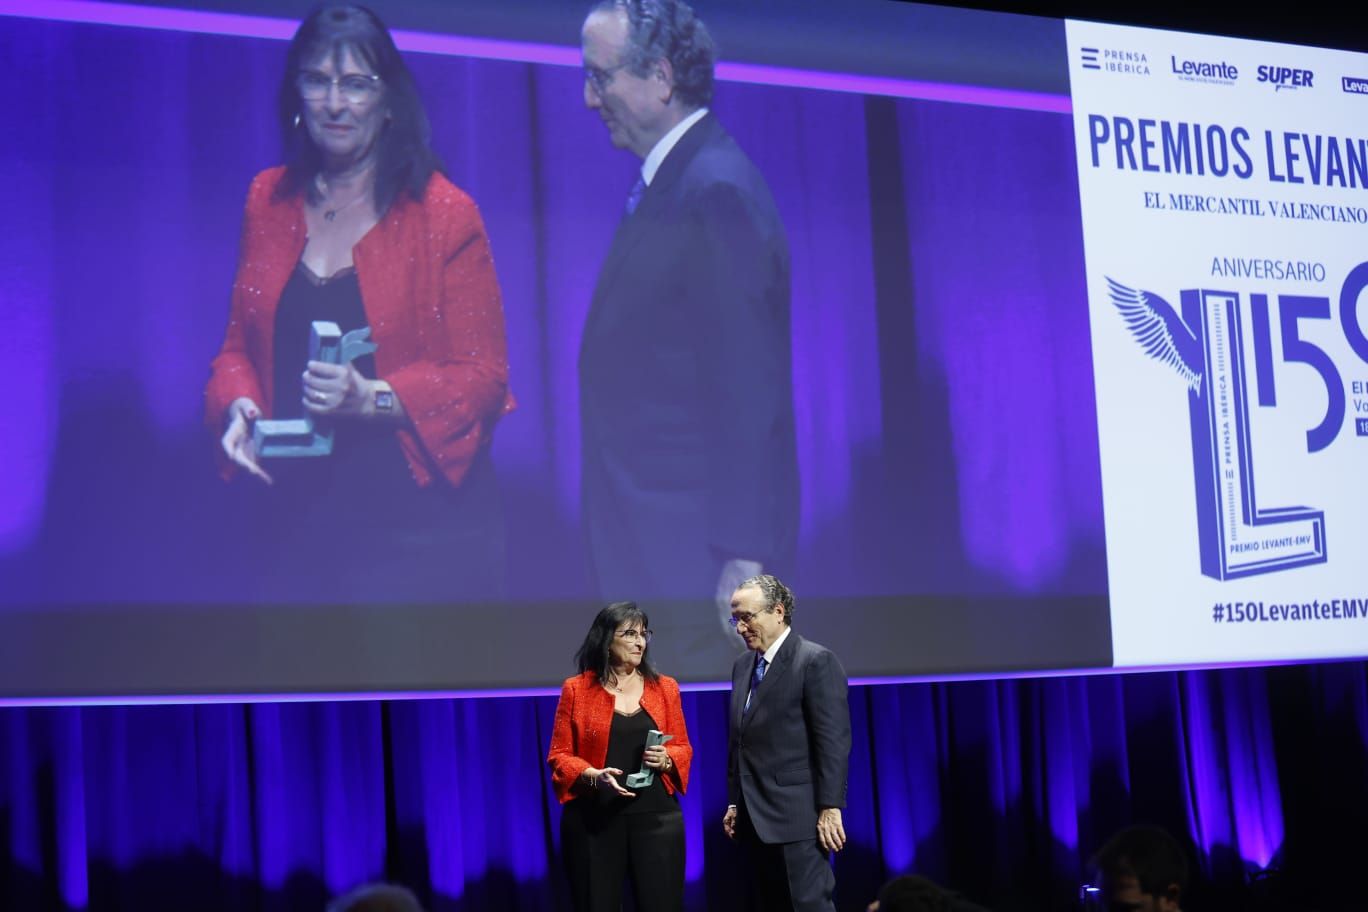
(657, 759)
(237, 439)
(337, 391)
(606, 780)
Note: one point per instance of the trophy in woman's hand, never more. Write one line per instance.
(645, 776)
(275, 438)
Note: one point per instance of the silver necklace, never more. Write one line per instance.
(330, 214)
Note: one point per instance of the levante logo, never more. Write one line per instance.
(1216, 72)
(1207, 348)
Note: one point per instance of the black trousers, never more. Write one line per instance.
(402, 545)
(788, 876)
(601, 850)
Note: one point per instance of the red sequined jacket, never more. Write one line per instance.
(432, 300)
(584, 716)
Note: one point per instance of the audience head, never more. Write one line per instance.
(1141, 869)
(911, 893)
(914, 893)
(377, 897)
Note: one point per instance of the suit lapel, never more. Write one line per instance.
(654, 208)
(774, 675)
(740, 683)
(629, 232)
(783, 661)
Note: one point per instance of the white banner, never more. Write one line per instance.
(1224, 191)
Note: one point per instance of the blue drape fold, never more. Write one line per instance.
(999, 788)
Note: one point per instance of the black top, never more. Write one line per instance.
(626, 745)
(366, 460)
(307, 298)
(354, 527)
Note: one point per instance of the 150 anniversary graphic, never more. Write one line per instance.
(1226, 238)
(1206, 347)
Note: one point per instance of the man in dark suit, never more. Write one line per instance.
(789, 752)
(689, 471)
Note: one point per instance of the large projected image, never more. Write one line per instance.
(867, 370)
(1225, 207)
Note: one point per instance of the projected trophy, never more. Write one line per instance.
(645, 776)
(295, 438)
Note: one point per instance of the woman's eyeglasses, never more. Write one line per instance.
(355, 88)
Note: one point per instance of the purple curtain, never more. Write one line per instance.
(1000, 789)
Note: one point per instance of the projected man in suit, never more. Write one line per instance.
(689, 470)
(789, 752)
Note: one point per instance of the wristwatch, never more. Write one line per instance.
(384, 397)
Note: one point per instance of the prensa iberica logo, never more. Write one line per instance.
(1118, 61)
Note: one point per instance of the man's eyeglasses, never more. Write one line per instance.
(630, 635)
(355, 88)
(601, 77)
(745, 617)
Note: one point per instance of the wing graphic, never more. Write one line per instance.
(1160, 331)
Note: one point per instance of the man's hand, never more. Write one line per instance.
(830, 832)
(733, 572)
(729, 822)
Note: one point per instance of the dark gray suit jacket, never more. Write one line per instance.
(789, 754)
(686, 403)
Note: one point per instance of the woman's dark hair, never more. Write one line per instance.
(593, 652)
(404, 157)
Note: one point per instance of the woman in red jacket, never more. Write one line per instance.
(609, 829)
(360, 228)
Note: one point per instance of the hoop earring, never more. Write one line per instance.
(296, 120)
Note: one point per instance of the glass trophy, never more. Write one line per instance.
(643, 777)
(302, 437)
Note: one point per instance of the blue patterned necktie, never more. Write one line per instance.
(634, 198)
(757, 676)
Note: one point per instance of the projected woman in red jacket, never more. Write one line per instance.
(361, 229)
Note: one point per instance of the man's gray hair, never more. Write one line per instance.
(775, 592)
(669, 30)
